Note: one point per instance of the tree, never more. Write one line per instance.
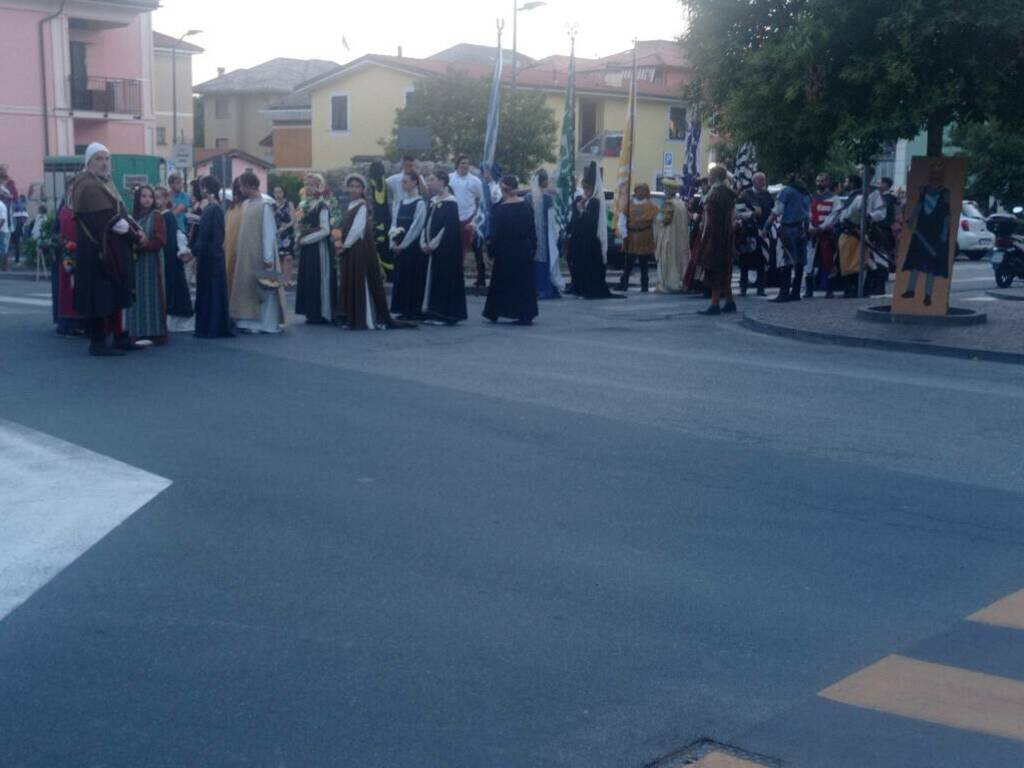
(454, 107)
(806, 79)
(996, 154)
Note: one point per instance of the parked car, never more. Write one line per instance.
(973, 238)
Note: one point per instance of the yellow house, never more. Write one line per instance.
(349, 109)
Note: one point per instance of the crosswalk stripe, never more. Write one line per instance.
(1008, 612)
(936, 693)
(56, 501)
(26, 302)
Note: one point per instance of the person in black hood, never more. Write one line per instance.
(793, 211)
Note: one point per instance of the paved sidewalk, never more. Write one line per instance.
(835, 321)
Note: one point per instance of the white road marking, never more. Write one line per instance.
(56, 501)
(26, 302)
(980, 298)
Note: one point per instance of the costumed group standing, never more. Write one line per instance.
(124, 278)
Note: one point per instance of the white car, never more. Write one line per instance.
(973, 238)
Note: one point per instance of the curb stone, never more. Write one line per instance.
(936, 350)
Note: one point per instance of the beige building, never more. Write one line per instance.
(234, 102)
(172, 80)
(343, 114)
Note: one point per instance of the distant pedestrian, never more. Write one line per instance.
(180, 313)
(410, 261)
(396, 191)
(104, 278)
(823, 241)
(257, 303)
(318, 276)
(444, 302)
(5, 235)
(232, 225)
(639, 244)
(718, 243)
(512, 244)
(469, 194)
(19, 226)
(547, 276)
(362, 303)
(792, 211)
(284, 218)
(212, 319)
(147, 316)
(673, 245)
(381, 213)
(760, 202)
(587, 249)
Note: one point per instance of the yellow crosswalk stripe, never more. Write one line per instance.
(936, 693)
(1008, 612)
(723, 760)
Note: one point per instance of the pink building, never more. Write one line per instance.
(228, 165)
(82, 72)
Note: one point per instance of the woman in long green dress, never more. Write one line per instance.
(146, 318)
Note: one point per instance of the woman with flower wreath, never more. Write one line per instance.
(314, 297)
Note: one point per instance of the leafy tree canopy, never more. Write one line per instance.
(454, 107)
(805, 79)
(996, 168)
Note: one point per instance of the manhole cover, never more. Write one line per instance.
(710, 754)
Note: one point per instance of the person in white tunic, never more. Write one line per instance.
(255, 308)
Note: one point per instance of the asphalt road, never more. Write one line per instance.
(592, 542)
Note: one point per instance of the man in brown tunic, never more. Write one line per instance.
(104, 281)
(718, 242)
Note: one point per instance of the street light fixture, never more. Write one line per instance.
(174, 83)
(516, 8)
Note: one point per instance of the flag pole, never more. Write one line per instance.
(631, 109)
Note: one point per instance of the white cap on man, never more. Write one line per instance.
(93, 149)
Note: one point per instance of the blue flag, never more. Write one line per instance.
(493, 112)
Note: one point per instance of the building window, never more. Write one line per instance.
(677, 123)
(161, 136)
(339, 112)
(222, 144)
(410, 92)
(220, 109)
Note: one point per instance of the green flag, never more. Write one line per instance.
(567, 150)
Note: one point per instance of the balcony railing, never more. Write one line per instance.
(106, 95)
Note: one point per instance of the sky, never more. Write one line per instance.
(313, 29)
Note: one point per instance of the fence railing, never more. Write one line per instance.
(107, 94)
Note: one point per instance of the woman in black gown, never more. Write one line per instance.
(318, 270)
(179, 298)
(586, 250)
(410, 261)
(212, 319)
(512, 242)
(445, 299)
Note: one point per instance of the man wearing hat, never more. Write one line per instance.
(673, 248)
(103, 269)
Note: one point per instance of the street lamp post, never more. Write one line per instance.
(515, 35)
(174, 83)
